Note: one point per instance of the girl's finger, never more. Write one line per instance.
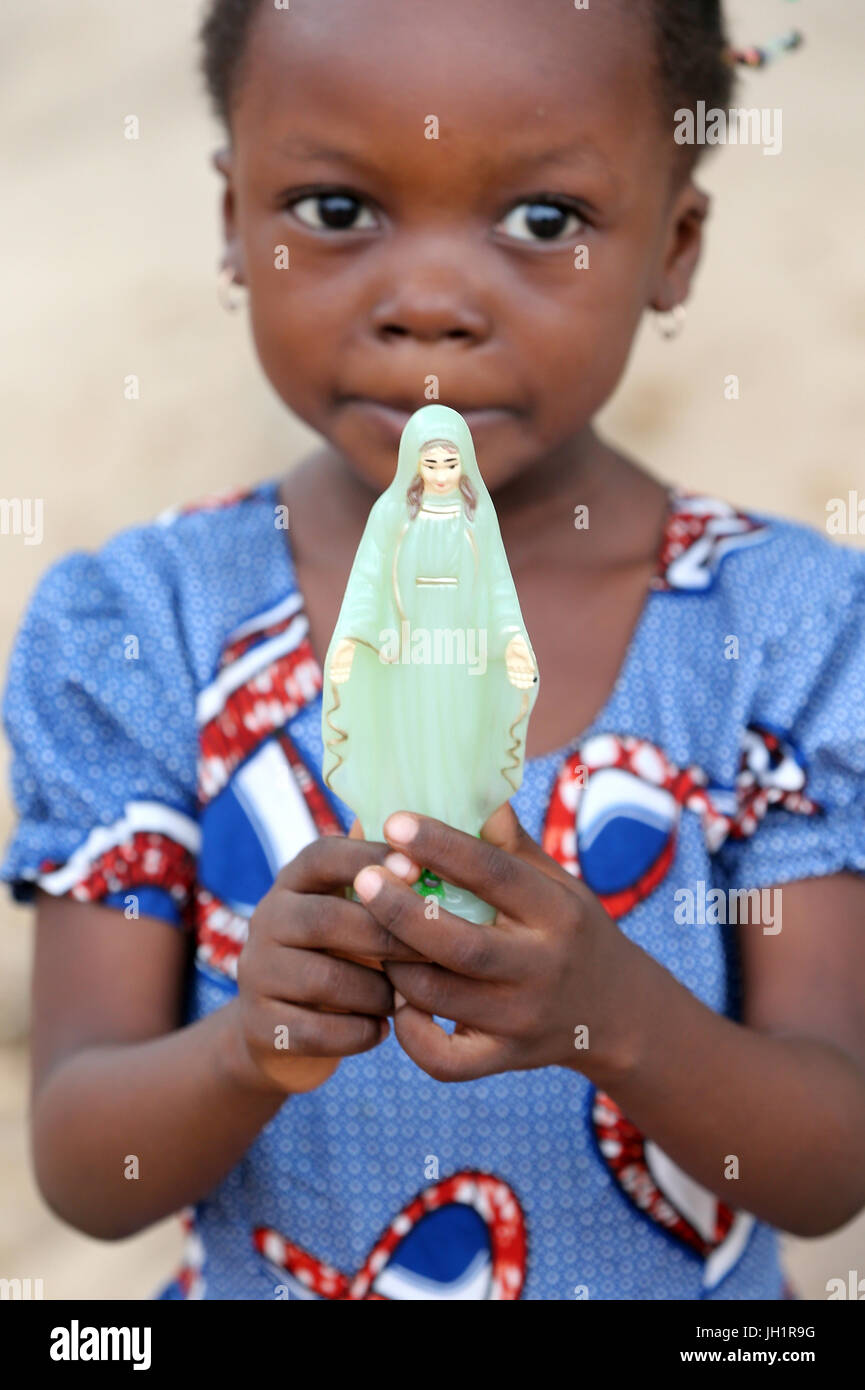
(503, 829)
(503, 880)
(473, 1003)
(318, 922)
(315, 1034)
(460, 1056)
(329, 863)
(315, 978)
(484, 952)
(402, 867)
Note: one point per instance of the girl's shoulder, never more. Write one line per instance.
(787, 599)
(711, 546)
(184, 580)
(761, 629)
(800, 550)
(103, 687)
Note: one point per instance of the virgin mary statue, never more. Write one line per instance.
(429, 679)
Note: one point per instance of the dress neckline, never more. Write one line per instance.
(281, 538)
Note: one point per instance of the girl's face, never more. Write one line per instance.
(440, 469)
(430, 170)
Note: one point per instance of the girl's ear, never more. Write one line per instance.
(682, 248)
(223, 163)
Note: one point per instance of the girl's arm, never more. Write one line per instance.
(135, 1116)
(132, 1116)
(783, 1091)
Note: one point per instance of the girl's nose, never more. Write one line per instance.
(429, 309)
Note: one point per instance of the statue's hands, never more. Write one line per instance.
(340, 662)
(519, 663)
(519, 989)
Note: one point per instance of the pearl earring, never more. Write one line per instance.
(671, 324)
(229, 302)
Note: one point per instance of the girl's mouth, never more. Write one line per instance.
(392, 419)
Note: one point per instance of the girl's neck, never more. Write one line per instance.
(540, 500)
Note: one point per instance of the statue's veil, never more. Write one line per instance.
(433, 422)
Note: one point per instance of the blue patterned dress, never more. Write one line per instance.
(163, 705)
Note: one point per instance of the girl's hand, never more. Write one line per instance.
(300, 1009)
(538, 987)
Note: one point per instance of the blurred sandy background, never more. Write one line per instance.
(111, 250)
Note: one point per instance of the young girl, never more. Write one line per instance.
(653, 1066)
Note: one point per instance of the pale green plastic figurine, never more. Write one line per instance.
(429, 679)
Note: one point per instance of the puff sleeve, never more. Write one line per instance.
(801, 789)
(99, 711)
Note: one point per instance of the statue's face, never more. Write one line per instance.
(440, 468)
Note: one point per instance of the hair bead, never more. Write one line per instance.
(759, 57)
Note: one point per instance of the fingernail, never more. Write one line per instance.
(401, 827)
(399, 865)
(398, 1000)
(368, 883)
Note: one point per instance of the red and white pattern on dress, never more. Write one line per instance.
(189, 1277)
(717, 1233)
(770, 774)
(266, 674)
(647, 766)
(643, 796)
(152, 845)
(490, 1197)
(326, 822)
(623, 1147)
(699, 532)
(262, 628)
(221, 932)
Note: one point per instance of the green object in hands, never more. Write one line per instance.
(430, 678)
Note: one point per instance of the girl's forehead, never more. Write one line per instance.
(486, 68)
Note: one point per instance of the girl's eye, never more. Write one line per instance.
(336, 212)
(539, 221)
